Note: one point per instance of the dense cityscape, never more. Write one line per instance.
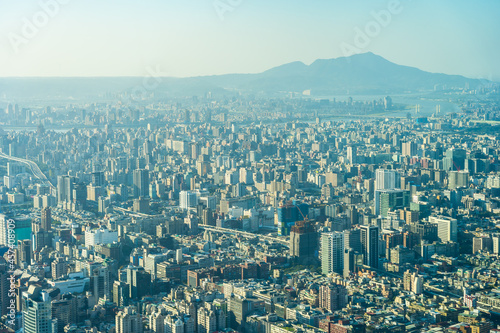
(232, 166)
(251, 215)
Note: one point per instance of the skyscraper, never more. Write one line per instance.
(100, 282)
(141, 183)
(187, 199)
(37, 311)
(97, 178)
(332, 252)
(387, 179)
(458, 179)
(409, 148)
(139, 282)
(121, 293)
(303, 240)
(46, 219)
(454, 159)
(352, 239)
(390, 200)
(24, 251)
(369, 243)
(289, 214)
(64, 188)
(352, 155)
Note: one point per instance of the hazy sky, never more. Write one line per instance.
(203, 37)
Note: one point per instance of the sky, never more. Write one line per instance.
(208, 37)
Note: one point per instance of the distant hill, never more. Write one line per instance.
(365, 73)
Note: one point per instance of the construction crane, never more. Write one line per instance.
(304, 217)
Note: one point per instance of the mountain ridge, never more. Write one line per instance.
(364, 73)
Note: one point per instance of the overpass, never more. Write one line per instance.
(243, 233)
(132, 213)
(33, 167)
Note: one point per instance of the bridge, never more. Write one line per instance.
(243, 233)
(211, 228)
(134, 214)
(33, 167)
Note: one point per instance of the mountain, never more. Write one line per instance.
(365, 73)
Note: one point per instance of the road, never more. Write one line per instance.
(212, 228)
(33, 167)
(243, 233)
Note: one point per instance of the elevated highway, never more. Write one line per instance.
(32, 166)
(243, 233)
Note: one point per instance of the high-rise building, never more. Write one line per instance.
(139, 282)
(100, 282)
(413, 282)
(387, 179)
(46, 219)
(128, 321)
(97, 178)
(239, 308)
(15, 168)
(391, 200)
(59, 268)
(80, 193)
(353, 261)
(121, 293)
(303, 240)
(208, 217)
(4, 287)
(65, 188)
(332, 252)
(141, 183)
(483, 243)
(458, 179)
(37, 311)
(141, 205)
(352, 240)
(207, 321)
(187, 199)
(447, 228)
(352, 154)
(65, 312)
(24, 251)
(454, 159)
(495, 238)
(369, 243)
(332, 297)
(290, 213)
(408, 148)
